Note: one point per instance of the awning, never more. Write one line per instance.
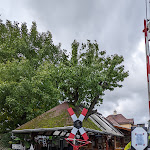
(59, 131)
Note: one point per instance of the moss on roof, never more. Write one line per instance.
(56, 117)
(91, 125)
(46, 122)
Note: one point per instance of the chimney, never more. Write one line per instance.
(115, 112)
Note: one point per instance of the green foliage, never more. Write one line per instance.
(24, 93)
(26, 90)
(35, 74)
(89, 74)
(5, 138)
(17, 42)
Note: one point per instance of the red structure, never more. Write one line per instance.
(146, 29)
(77, 127)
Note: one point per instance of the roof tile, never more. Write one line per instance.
(119, 119)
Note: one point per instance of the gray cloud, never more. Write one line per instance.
(132, 99)
(115, 24)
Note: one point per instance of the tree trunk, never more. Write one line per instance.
(76, 96)
(92, 106)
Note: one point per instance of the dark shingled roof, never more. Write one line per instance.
(56, 117)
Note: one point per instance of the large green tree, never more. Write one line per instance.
(89, 73)
(36, 75)
(25, 89)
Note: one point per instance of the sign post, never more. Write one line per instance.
(139, 138)
(77, 127)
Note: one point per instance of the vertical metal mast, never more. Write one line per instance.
(146, 31)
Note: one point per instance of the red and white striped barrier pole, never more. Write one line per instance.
(147, 59)
(146, 30)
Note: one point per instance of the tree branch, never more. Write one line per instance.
(92, 106)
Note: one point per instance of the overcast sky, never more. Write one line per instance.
(116, 25)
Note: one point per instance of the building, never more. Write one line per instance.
(120, 120)
(124, 125)
(49, 130)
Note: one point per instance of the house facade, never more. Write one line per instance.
(120, 120)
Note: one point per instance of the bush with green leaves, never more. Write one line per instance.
(5, 140)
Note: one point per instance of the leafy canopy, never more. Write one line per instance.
(35, 74)
(89, 73)
(17, 42)
(25, 89)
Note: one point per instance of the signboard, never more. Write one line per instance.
(139, 138)
(17, 146)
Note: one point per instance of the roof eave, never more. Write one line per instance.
(28, 131)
